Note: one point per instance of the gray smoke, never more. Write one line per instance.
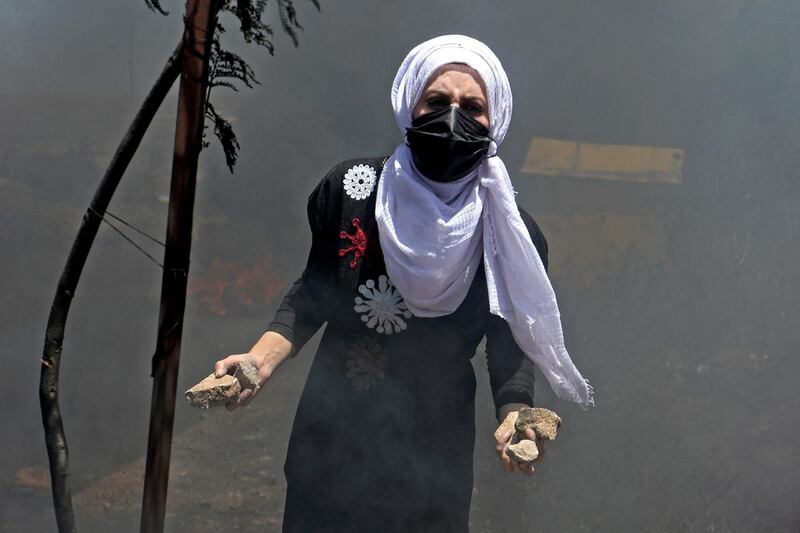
(680, 302)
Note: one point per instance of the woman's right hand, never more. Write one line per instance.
(267, 355)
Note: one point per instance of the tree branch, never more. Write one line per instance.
(54, 335)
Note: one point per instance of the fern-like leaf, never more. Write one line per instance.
(289, 22)
(224, 132)
(227, 69)
(155, 5)
(254, 30)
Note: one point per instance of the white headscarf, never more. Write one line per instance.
(434, 234)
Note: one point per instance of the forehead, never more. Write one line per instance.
(457, 75)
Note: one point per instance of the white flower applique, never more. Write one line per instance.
(382, 306)
(365, 363)
(359, 182)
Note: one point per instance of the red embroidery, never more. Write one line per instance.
(358, 243)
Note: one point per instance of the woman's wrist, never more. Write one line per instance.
(271, 350)
(503, 411)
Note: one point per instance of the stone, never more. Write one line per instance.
(525, 451)
(247, 375)
(506, 426)
(213, 392)
(543, 421)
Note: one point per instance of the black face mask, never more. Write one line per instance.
(447, 144)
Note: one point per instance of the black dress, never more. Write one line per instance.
(384, 433)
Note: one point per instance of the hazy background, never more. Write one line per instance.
(680, 302)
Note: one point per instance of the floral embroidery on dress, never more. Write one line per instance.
(359, 181)
(382, 306)
(358, 243)
(365, 363)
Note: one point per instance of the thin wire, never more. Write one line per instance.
(153, 259)
(134, 228)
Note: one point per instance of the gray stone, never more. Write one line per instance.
(544, 422)
(247, 375)
(506, 426)
(213, 392)
(525, 451)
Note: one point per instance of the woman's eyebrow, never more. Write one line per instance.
(475, 98)
(436, 92)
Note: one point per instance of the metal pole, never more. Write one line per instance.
(200, 23)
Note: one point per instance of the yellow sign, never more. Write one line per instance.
(648, 164)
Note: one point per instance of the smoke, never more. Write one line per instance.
(679, 300)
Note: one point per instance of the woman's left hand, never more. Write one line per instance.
(504, 440)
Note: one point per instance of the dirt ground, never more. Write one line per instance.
(224, 476)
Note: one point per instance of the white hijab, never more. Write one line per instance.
(434, 234)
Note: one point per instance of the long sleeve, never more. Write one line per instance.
(511, 372)
(302, 311)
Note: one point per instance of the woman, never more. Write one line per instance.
(414, 259)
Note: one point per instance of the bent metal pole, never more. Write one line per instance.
(200, 23)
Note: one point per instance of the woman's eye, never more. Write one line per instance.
(473, 109)
(437, 102)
